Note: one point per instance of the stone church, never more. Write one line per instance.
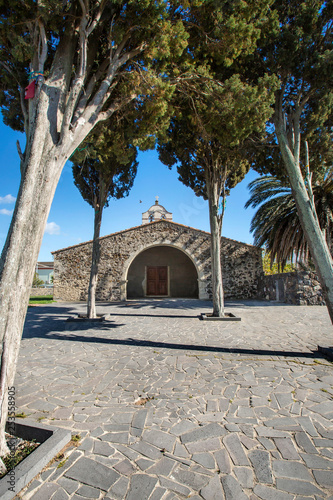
(160, 258)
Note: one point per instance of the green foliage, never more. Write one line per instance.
(151, 34)
(270, 267)
(36, 282)
(105, 165)
(276, 224)
(216, 108)
(298, 52)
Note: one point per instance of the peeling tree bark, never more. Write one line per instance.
(51, 140)
(91, 305)
(305, 208)
(213, 194)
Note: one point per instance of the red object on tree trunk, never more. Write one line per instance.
(30, 90)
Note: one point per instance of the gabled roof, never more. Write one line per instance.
(150, 224)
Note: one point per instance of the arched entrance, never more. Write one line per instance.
(162, 271)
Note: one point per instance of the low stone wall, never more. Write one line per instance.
(299, 288)
(241, 263)
(39, 292)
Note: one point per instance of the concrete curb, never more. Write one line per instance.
(227, 317)
(52, 440)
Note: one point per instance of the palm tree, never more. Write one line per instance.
(276, 224)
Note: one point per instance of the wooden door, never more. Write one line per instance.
(157, 280)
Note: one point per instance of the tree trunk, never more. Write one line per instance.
(213, 194)
(38, 184)
(91, 306)
(317, 244)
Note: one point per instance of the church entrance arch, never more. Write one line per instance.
(162, 271)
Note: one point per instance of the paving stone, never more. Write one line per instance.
(245, 476)
(97, 432)
(282, 468)
(139, 418)
(212, 444)
(213, 490)
(324, 478)
(183, 427)
(87, 444)
(204, 459)
(317, 462)
(323, 443)
(157, 494)
(88, 492)
(283, 399)
(119, 489)
(144, 463)
(307, 426)
(297, 487)
(115, 437)
(45, 491)
(147, 450)
(102, 448)
(89, 472)
(269, 493)
(235, 449)
(68, 484)
(267, 443)
(283, 423)
(172, 485)
(260, 460)
(305, 442)
(232, 489)
(180, 451)
(248, 442)
(202, 433)
(141, 486)
(160, 439)
(125, 467)
(60, 494)
(189, 478)
(263, 431)
(162, 468)
(223, 461)
(286, 448)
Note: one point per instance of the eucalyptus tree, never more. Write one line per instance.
(64, 67)
(104, 168)
(276, 223)
(298, 51)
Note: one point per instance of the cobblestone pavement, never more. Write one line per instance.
(172, 407)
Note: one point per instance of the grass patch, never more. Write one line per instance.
(42, 299)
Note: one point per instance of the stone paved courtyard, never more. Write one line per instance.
(172, 407)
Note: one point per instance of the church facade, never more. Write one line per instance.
(159, 259)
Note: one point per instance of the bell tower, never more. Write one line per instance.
(156, 212)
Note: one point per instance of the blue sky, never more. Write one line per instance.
(71, 219)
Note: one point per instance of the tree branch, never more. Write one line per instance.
(98, 16)
(120, 103)
(79, 77)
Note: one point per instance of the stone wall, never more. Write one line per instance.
(241, 263)
(300, 288)
(41, 291)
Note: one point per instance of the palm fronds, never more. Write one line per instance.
(276, 224)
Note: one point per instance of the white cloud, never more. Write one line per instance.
(52, 228)
(4, 211)
(7, 199)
